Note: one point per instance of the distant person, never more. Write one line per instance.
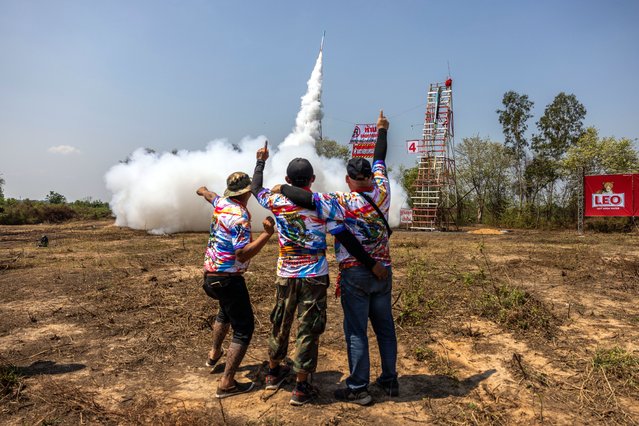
(302, 277)
(364, 212)
(227, 257)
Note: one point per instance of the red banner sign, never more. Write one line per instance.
(363, 140)
(363, 149)
(635, 184)
(610, 195)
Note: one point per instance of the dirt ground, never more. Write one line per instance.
(110, 325)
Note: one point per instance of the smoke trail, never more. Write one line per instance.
(156, 192)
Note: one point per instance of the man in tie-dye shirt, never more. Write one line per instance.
(364, 296)
(302, 280)
(229, 249)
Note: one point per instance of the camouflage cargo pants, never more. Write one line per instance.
(307, 297)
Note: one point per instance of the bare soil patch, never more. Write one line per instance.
(110, 325)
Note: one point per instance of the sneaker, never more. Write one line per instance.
(302, 394)
(236, 389)
(212, 362)
(276, 377)
(390, 387)
(361, 397)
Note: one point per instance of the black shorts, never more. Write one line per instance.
(235, 305)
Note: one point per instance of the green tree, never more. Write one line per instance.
(331, 149)
(482, 166)
(601, 155)
(55, 198)
(559, 128)
(513, 119)
(407, 177)
(539, 173)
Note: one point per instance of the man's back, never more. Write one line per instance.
(301, 235)
(230, 231)
(360, 217)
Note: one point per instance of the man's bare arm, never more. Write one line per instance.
(203, 191)
(254, 247)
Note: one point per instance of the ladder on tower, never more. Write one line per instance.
(434, 188)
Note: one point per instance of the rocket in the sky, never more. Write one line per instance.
(322, 43)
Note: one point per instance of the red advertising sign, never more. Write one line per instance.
(609, 195)
(635, 197)
(363, 140)
(405, 215)
(365, 150)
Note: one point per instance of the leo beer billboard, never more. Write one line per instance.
(609, 195)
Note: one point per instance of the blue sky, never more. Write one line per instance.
(106, 77)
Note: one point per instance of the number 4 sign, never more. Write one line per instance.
(412, 146)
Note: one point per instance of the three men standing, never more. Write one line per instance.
(358, 219)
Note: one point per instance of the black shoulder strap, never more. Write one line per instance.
(379, 212)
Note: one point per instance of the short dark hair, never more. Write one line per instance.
(359, 168)
(300, 172)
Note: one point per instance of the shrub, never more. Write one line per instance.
(609, 224)
(10, 379)
(517, 309)
(618, 363)
(91, 209)
(28, 212)
(31, 212)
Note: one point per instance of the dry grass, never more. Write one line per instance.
(110, 326)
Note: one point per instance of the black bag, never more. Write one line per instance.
(211, 284)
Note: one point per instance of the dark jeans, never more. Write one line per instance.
(364, 297)
(235, 305)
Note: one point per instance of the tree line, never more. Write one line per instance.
(53, 209)
(520, 182)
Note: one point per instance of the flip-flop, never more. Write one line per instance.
(236, 389)
(212, 362)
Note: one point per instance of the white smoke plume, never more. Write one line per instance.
(156, 192)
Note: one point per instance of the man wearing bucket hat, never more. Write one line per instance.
(228, 252)
(302, 278)
(363, 211)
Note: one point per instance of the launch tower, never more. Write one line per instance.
(435, 192)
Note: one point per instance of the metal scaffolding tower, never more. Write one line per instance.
(580, 200)
(435, 192)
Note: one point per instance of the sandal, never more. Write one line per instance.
(212, 362)
(236, 389)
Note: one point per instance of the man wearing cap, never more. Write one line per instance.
(364, 212)
(302, 280)
(228, 252)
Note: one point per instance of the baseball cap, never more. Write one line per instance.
(237, 183)
(359, 168)
(299, 171)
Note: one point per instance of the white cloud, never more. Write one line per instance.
(64, 149)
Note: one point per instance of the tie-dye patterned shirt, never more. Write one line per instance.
(352, 211)
(230, 231)
(301, 234)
